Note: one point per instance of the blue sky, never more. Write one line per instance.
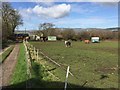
(68, 14)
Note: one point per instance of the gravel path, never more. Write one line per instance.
(6, 68)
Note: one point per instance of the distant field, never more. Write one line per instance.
(95, 63)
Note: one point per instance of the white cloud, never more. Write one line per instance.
(56, 11)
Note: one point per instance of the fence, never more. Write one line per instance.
(32, 53)
(28, 64)
(35, 55)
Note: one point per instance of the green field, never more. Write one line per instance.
(94, 63)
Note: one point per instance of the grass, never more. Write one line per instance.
(38, 73)
(88, 62)
(20, 73)
(40, 77)
(6, 53)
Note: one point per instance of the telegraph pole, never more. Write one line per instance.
(25, 30)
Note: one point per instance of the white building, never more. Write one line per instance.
(95, 39)
(52, 38)
(35, 37)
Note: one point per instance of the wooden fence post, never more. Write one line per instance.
(34, 53)
(37, 54)
(66, 78)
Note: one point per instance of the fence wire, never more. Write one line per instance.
(34, 52)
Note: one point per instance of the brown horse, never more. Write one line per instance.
(87, 41)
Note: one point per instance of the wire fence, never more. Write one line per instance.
(28, 64)
(36, 55)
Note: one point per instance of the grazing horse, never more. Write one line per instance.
(68, 43)
(87, 41)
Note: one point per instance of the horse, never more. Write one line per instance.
(68, 43)
(87, 41)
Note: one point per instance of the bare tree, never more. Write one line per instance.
(10, 20)
(47, 29)
(45, 26)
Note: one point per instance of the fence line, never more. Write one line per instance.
(28, 64)
(35, 55)
(54, 62)
(47, 57)
(50, 59)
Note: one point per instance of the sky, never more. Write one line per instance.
(68, 14)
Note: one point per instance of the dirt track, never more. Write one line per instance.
(6, 69)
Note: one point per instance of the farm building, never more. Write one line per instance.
(52, 38)
(34, 37)
(20, 36)
(95, 39)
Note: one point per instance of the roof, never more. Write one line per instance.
(94, 37)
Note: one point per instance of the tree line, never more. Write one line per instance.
(48, 29)
(10, 20)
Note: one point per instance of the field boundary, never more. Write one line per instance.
(49, 58)
(32, 53)
(84, 61)
(55, 62)
(27, 58)
(63, 67)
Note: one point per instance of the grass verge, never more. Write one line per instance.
(19, 76)
(5, 54)
(39, 76)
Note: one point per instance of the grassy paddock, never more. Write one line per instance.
(6, 53)
(95, 63)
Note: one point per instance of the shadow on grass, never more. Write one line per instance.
(54, 85)
(36, 82)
